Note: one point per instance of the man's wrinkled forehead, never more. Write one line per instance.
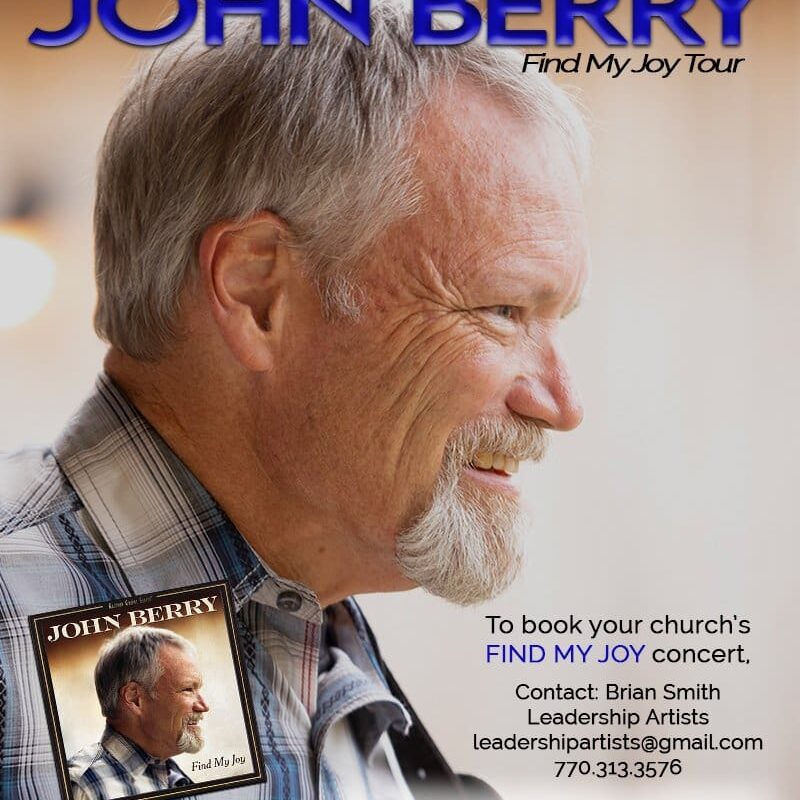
(495, 186)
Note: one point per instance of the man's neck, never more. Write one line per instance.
(137, 738)
(213, 443)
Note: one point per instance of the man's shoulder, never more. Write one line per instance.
(48, 559)
(33, 490)
(48, 562)
(94, 775)
(85, 760)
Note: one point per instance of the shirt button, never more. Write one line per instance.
(289, 600)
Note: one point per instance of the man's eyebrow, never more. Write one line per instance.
(550, 295)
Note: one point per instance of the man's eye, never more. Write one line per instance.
(506, 312)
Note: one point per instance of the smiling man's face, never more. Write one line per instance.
(171, 716)
(404, 427)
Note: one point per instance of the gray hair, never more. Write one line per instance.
(132, 655)
(319, 135)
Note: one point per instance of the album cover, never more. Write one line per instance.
(146, 696)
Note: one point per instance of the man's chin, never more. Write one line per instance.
(468, 546)
(190, 742)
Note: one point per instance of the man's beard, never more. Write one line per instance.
(468, 546)
(190, 740)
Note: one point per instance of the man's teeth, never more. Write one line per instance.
(496, 461)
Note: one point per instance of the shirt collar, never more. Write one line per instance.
(129, 754)
(144, 502)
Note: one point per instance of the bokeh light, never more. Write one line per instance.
(27, 276)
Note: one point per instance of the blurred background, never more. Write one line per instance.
(677, 494)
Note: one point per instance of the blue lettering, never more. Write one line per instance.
(508, 653)
(268, 10)
(536, 653)
(355, 21)
(568, 654)
(731, 11)
(425, 33)
(109, 16)
(620, 653)
(672, 15)
(496, 31)
(514, 652)
(564, 655)
(595, 15)
(637, 653)
(78, 25)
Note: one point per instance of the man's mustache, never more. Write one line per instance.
(518, 438)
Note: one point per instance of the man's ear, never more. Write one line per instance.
(245, 268)
(130, 697)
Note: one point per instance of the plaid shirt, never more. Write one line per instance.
(117, 767)
(112, 512)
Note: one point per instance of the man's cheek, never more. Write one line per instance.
(488, 371)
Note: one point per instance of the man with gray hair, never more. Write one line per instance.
(332, 279)
(149, 687)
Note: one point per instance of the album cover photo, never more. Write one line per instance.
(147, 696)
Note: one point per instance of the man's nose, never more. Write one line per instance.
(200, 704)
(546, 393)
